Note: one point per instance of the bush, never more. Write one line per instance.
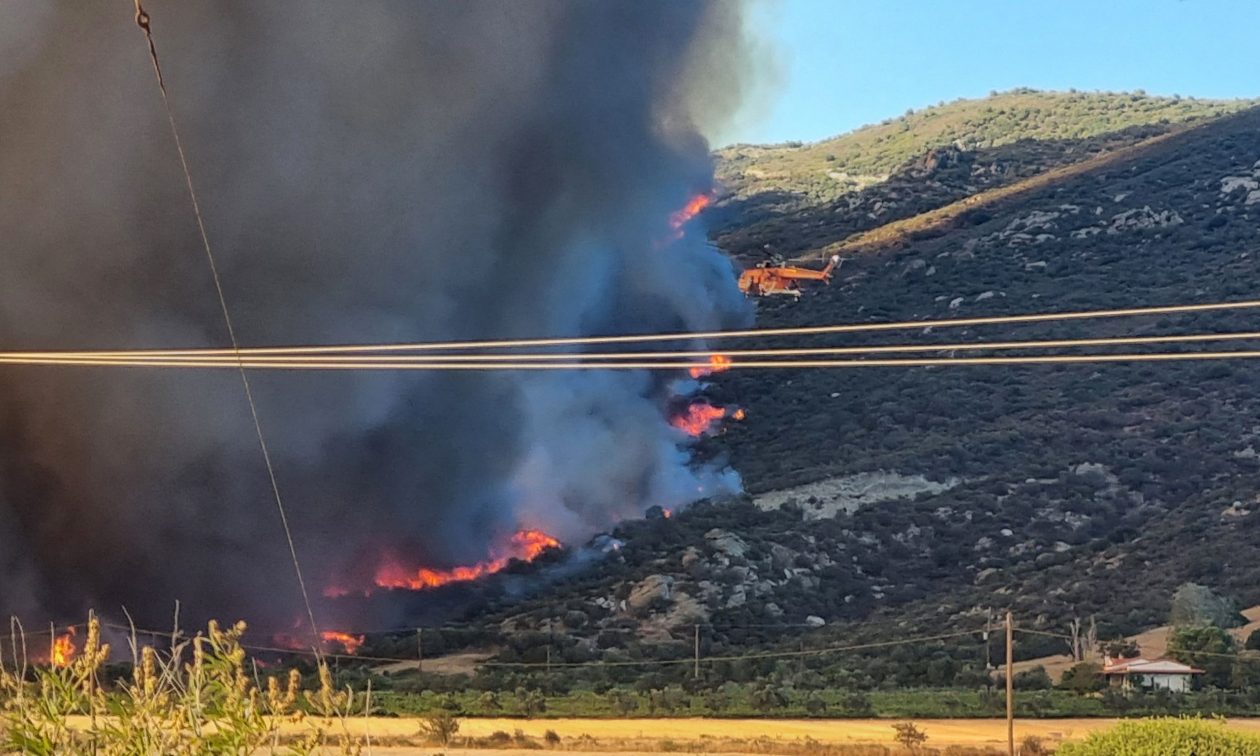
(1083, 678)
(440, 727)
(1033, 679)
(1158, 737)
(909, 735)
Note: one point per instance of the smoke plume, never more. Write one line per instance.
(370, 172)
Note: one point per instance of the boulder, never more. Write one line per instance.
(649, 590)
(726, 542)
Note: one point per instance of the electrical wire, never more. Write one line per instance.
(617, 663)
(661, 337)
(144, 21)
(709, 356)
(733, 365)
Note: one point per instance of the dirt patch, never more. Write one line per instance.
(828, 497)
(451, 664)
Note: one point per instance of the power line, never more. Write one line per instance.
(742, 657)
(143, 21)
(694, 354)
(659, 337)
(616, 663)
(250, 364)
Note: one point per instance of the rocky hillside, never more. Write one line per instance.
(902, 500)
(1058, 489)
(820, 172)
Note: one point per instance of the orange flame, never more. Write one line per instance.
(717, 364)
(739, 414)
(63, 649)
(350, 643)
(690, 210)
(698, 419)
(525, 545)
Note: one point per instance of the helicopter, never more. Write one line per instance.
(775, 276)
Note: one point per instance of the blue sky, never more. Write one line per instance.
(845, 63)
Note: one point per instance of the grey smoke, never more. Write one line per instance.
(370, 172)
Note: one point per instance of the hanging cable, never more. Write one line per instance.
(144, 22)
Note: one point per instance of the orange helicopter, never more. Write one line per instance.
(774, 277)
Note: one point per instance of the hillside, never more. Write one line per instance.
(898, 501)
(823, 171)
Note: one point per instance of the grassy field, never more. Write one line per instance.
(687, 734)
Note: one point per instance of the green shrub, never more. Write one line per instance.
(1159, 737)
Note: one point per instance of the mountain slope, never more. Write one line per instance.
(1092, 488)
(825, 170)
(901, 501)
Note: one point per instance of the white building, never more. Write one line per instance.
(1150, 674)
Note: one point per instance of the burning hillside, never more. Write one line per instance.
(362, 208)
(395, 571)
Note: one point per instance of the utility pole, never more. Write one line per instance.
(419, 649)
(548, 660)
(1010, 684)
(696, 668)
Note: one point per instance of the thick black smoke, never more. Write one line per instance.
(370, 172)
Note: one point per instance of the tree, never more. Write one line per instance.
(1084, 639)
(489, 701)
(530, 702)
(1121, 649)
(623, 702)
(440, 726)
(1246, 672)
(1083, 678)
(716, 700)
(909, 735)
(1207, 647)
(1253, 641)
(1194, 604)
(815, 704)
(769, 697)
(1033, 679)
(857, 703)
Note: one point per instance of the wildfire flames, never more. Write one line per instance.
(525, 545)
(717, 364)
(63, 649)
(690, 210)
(701, 417)
(350, 643)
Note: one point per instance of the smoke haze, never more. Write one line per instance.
(370, 172)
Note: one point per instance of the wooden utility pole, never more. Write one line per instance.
(548, 658)
(1010, 684)
(419, 650)
(696, 668)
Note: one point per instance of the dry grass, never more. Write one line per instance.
(782, 736)
(942, 218)
(201, 695)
